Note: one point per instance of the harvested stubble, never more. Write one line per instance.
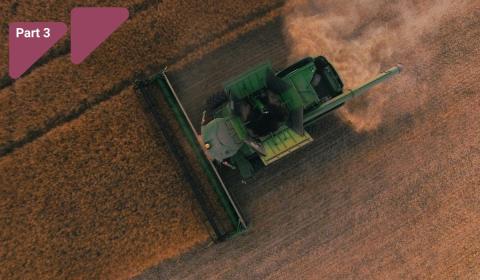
(59, 91)
(40, 10)
(97, 198)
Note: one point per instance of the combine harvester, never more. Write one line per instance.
(259, 118)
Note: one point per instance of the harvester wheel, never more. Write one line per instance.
(294, 67)
(323, 66)
(214, 102)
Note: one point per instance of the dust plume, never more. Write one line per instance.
(363, 38)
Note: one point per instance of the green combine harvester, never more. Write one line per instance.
(259, 118)
(263, 114)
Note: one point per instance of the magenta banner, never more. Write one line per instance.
(90, 27)
(28, 41)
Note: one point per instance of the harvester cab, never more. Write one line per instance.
(262, 114)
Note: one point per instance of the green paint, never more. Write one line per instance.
(282, 143)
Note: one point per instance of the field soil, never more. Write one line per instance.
(38, 10)
(391, 195)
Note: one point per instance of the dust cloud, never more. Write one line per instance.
(363, 38)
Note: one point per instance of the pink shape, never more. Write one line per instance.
(92, 26)
(30, 44)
